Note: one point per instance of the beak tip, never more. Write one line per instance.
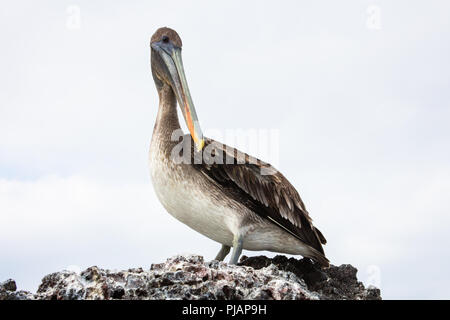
(200, 144)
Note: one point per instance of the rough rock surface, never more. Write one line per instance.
(190, 277)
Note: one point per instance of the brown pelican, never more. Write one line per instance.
(216, 190)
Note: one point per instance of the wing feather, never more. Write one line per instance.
(278, 199)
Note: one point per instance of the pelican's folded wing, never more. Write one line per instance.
(263, 186)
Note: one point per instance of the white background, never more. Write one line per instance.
(361, 104)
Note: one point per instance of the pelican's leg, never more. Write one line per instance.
(237, 248)
(222, 253)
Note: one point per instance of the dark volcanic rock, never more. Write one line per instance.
(336, 283)
(8, 291)
(9, 285)
(189, 277)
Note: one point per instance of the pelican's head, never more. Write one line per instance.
(167, 70)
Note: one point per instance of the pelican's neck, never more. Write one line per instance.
(167, 118)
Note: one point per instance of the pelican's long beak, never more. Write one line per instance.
(171, 55)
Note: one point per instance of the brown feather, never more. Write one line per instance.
(270, 196)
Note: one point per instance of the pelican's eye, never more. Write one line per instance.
(165, 39)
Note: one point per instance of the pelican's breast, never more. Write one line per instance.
(187, 196)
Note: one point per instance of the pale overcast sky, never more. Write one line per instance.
(357, 90)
